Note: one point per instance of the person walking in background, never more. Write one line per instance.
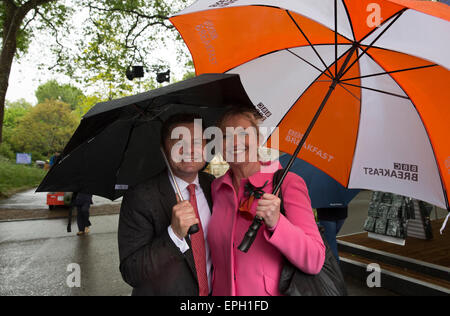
(332, 219)
(294, 236)
(54, 159)
(83, 202)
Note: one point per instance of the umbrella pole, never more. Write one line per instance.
(194, 228)
(250, 235)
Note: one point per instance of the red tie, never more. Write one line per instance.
(198, 247)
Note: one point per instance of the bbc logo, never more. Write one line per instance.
(406, 167)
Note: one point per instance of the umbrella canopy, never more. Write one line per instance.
(360, 86)
(117, 144)
(324, 191)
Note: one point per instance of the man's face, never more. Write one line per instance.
(184, 149)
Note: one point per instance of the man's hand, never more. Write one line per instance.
(183, 217)
(269, 209)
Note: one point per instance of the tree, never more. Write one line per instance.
(65, 93)
(115, 35)
(13, 113)
(86, 103)
(16, 36)
(46, 128)
(190, 73)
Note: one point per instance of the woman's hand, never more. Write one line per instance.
(269, 209)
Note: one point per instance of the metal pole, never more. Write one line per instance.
(250, 236)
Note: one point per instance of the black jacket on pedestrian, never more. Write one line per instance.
(149, 260)
(82, 199)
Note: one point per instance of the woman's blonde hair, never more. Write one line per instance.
(251, 114)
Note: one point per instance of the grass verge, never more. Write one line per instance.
(15, 178)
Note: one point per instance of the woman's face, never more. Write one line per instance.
(240, 140)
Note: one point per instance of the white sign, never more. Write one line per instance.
(23, 159)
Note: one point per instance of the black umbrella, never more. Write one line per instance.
(117, 144)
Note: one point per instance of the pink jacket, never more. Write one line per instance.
(257, 272)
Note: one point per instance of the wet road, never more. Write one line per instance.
(28, 200)
(35, 255)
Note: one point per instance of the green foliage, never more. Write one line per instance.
(52, 90)
(14, 111)
(190, 70)
(6, 151)
(120, 34)
(188, 75)
(115, 34)
(46, 128)
(86, 103)
(50, 17)
(17, 177)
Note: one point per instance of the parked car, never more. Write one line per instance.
(59, 199)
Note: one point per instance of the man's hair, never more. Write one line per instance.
(175, 120)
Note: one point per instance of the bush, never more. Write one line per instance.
(6, 151)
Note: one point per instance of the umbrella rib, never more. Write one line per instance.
(310, 44)
(390, 72)
(314, 81)
(335, 38)
(349, 19)
(322, 71)
(340, 84)
(399, 14)
(376, 90)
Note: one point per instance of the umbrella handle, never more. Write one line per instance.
(194, 228)
(252, 231)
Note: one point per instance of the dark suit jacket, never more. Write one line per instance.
(149, 260)
(83, 199)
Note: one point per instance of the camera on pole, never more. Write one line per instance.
(135, 72)
(163, 77)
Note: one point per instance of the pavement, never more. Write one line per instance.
(35, 256)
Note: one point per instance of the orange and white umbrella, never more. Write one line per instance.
(361, 85)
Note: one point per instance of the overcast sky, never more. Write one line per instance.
(25, 76)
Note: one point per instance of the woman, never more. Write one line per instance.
(295, 237)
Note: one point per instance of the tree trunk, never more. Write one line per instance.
(13, 20)
(10, 28)
(6, 60)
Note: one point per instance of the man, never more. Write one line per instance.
(83, 202)
(157, 256)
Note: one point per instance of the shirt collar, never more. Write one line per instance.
(183, 184)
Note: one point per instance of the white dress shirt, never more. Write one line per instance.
(205, 215)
